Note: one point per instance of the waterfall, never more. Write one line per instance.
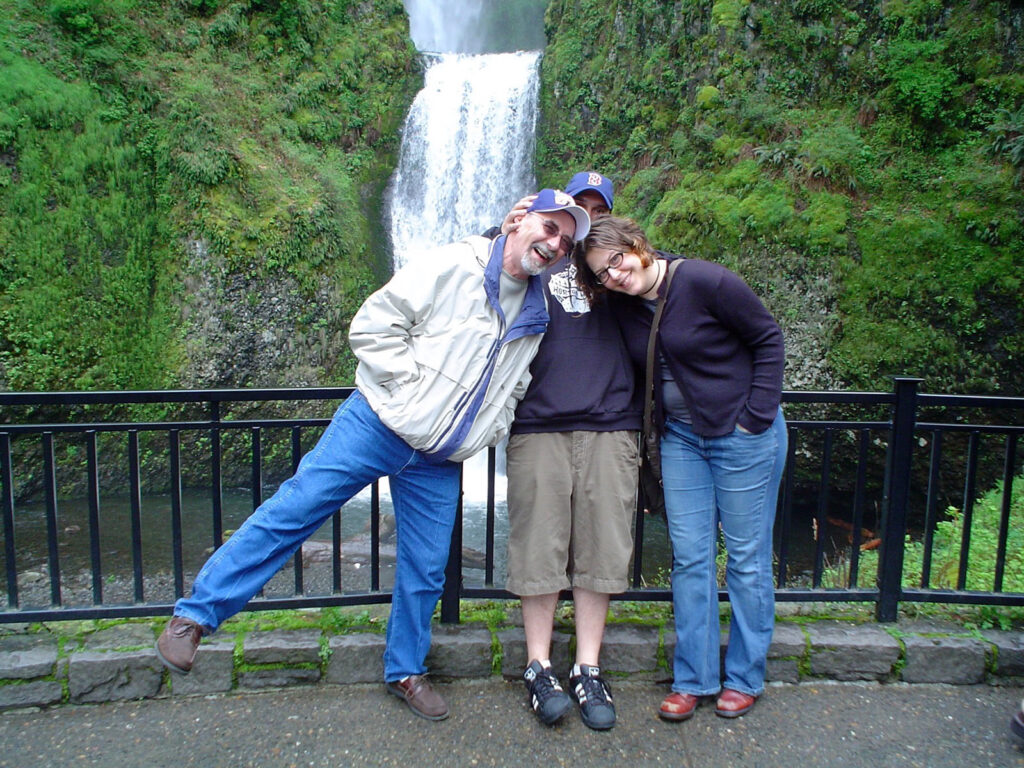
(476, 26)
(467, 149)
(467, 143)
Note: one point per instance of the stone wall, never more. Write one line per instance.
(48, 668)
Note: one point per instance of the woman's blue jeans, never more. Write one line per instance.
(732, 482)
(354, 450)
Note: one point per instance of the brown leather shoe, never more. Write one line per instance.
(678, 706)
(177, 645)
(421, 698)
(734, 704)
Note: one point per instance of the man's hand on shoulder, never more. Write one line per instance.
(510, 225)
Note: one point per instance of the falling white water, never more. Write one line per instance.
(467, 149)
(445, 26)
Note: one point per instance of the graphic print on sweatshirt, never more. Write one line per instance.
(563, 288)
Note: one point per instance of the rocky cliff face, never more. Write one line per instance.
(260, 332)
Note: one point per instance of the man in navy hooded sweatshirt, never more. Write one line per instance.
(572, 482)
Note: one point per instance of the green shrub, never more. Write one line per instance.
(922, 83)
(708, 97)
(832, 155)
(728, 13)
(766, 211)
(228, 25)
(76, 16)
(946, 549)
(742, 176)
(826, 219)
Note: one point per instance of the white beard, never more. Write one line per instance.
(533, 263)
(531, 266)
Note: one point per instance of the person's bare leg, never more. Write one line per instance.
(538, 621)
(591, 613)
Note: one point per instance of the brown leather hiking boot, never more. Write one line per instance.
(177, 645)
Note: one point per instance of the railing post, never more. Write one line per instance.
(177, 549)
(453, 571)
(897, 497)
(95, 555)
(50, 492)
(216, 490)
(7, 505)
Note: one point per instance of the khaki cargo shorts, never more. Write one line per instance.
(571, 502)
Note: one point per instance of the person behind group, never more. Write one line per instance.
(572, 482)
(443, 354)
(721, 358)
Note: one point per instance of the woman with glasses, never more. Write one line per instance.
(718, 387)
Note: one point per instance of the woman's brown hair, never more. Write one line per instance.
(612, 233)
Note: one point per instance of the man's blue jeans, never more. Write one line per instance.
(732, 481)
(354, 450)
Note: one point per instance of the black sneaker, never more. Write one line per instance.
(594, 697)
(547, 698)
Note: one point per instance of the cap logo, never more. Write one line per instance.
(563, 199)
(594, 179)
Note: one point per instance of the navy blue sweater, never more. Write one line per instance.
(583, 378)
(723, 347)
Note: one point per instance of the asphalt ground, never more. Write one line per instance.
(792, 726)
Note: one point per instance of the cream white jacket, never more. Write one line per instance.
(436, 361)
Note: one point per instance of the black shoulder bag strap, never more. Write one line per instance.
(651, 343)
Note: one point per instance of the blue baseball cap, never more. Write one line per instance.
(585, 180)
(550, 200)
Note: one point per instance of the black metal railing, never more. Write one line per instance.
(864, 470)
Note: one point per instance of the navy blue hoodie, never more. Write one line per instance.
(583, 378)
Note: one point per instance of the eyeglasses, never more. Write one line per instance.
(565, 243)
(614, 262)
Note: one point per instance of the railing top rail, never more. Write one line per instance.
(241, 424)
(174, 396)
(970, 401)
(321, 393)
(856, 398)
(161, 426)
(327, 393)
(989, 429)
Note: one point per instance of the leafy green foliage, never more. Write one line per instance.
(945, 563)
(135, 135)
(880, 143)
(728, 13)
(1008, 139)
(167, 168)
(922, 85)
(85, 300)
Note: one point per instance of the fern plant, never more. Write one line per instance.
(1007, 134)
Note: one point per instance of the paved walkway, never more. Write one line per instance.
(793, 726)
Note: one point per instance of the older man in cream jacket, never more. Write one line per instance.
(444, 351)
